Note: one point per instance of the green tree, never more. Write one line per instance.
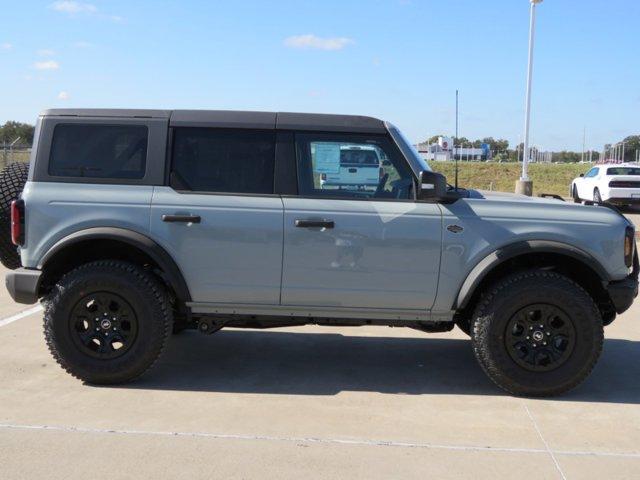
(11, 130)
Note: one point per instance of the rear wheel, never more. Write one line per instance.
(107, 322)
(12, 181)
(537, 333)
(597, 198)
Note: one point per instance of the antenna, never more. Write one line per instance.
(455, 159)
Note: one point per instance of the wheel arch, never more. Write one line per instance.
(112, 243)
(575, 263)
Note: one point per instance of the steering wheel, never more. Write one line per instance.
(381, 184)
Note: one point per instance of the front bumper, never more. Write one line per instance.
(623, 292)
(23, 285)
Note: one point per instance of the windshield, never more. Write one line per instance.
(623, 171)
(417, 162)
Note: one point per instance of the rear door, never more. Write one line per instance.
(358, 248)
(219, 218)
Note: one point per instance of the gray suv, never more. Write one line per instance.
(132, 224)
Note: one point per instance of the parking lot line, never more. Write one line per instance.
(553, 457)
(18, 316)
(318, 440)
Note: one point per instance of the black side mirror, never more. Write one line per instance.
(433, 186)
(582, 174)
(386, 163)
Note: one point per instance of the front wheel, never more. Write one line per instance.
(107, 322)
(537, 333)
(574, 194)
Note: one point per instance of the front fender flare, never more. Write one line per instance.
(488, 263)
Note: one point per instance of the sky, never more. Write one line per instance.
(399, 60)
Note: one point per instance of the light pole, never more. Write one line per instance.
(525, 185)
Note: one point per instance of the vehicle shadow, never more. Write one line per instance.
(276, 362)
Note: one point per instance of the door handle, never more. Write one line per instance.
(181, 218)
(315, 223)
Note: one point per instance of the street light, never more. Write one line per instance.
(525, 185)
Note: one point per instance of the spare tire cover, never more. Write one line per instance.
(12, 180)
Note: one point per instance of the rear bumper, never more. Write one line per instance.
(23, 285)
(623, 200)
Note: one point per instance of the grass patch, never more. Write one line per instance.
(547, 177)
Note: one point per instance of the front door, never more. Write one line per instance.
(358, 246)
(219, 218)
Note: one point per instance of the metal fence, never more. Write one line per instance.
(13, 154)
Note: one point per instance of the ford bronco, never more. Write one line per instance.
(131, 224)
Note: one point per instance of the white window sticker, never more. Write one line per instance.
(327, 157)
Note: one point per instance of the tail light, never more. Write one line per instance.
(323, 176)
(629, 243)
(381, 174)
(624, 184)
(17, 222)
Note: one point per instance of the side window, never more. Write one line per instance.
(592, 173)
(99, 151)
(352, 166)
(223, 160)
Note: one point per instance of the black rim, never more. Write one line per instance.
(103, 325)
(540, 337)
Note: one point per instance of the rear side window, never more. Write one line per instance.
(99, 151)
(223, 160)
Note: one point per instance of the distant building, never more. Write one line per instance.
(444, 150)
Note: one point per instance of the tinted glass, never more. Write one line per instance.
(226, 161)
(623, 171)
(351, 166)
(99, 151)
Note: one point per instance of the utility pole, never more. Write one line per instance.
(455, 159)
(525, 185)
(584, 141)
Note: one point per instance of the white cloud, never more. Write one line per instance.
(73, 7)
(46, 65)
(45, 52)
(63, 96)
(312, 41)
(6, 46)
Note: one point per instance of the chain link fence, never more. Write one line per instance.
(13, 154)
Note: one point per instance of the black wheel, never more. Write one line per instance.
(107, 322)
(596, 196)
(12, 180)
(574, 194)
(537, 333)
(464, 325)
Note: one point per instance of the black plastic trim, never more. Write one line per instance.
(156, 252)
(508, 252)
(23, 285)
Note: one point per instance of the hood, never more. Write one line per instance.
(550, 209)
(510, 197)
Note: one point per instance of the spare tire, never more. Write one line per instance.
(12, 180)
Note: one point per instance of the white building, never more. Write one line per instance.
(444, 151)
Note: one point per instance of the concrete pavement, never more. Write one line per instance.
(313, 402)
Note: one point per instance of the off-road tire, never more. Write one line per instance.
(12, 180)
(498, 305)
(148, 299)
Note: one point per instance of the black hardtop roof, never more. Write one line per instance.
(236, 119)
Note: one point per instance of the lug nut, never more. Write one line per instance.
(544, 343)
(528, 338)
(534, 345)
